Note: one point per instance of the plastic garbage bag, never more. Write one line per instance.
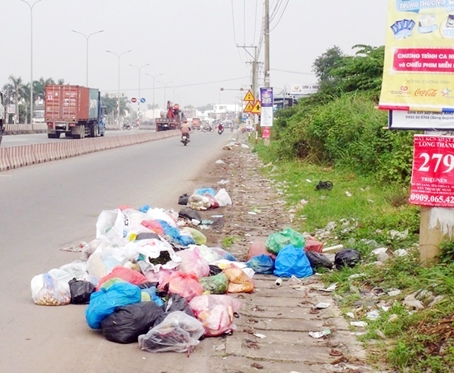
(346, 258)
(161, 214)
(149, 295)
(178, 332)
(198, 202)
(203, 191)
(105, 301)
(50, 290)
(127, 323)
(239, 281)
(153, 225)
(183, 199)
(176, 302)
(216, 312)
(223, 198)
(77, 269)
(199, 237)
(80, 291)
(213, 202)
(184, 284)
(318, 260)
(292, 261)
(217, 284)
(258, 248)
(175, 235)
(276, 241)
(126, 274)
(103, 261)
(113, 226)
(188, 213)
(262, 264)
(193, 262)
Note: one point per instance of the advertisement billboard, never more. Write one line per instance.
(419, 56)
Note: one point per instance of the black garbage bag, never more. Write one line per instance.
(146, 236)
(189, 214)
(80, 291)
(176, 302)
(347, 258)
(183, 200)
(128, 322)
(214, 270)
(318, 260)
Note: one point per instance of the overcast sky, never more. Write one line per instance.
(195, 44)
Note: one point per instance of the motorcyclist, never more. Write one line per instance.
(185, 127)
(220, 127)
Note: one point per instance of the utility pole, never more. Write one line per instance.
(267, 43)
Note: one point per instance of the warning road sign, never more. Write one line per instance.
(256, 107)
(249, 97)
(248, 108)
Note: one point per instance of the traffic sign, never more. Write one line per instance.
(249, 97)
(142, 100)
(133, 99)
(248, 108)
(256, 107)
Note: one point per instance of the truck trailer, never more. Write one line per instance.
(73, 110)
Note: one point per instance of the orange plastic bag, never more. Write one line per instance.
(239, 282)
(126, 274)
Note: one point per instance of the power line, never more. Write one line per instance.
(280, 16)
(255, 20)
(234, 32)
(275, 10)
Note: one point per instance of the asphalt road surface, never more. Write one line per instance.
(50, 206)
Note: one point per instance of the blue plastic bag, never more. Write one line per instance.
(152, 294)
(104, 302)
(262, 264)
(202, 191)
(292, 261)
(175, 234)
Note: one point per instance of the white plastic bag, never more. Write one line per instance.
(223, 198)
(178, 332)
(161, 214)
(76, 269)
(51, 289)
(113, 225)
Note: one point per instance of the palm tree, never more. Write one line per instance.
(17, 85)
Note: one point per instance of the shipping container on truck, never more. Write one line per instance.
(73, 110)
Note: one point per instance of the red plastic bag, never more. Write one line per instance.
(126, 274)
(258, 248)
(216, 312)
(184, 284)
(192, 262)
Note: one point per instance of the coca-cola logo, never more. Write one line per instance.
(426, 92)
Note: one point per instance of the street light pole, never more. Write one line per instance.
(165, 88)
(139, 68)
(31, 6)
(87, 37)
(154, 77)
(118, 96)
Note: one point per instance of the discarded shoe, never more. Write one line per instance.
(328, 185)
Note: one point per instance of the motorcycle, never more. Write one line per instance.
(127, 126)
(220, 130)
(184, 139)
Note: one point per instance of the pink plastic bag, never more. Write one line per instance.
(126, 274)
(216, 312)
(186, 285)
(193, 262)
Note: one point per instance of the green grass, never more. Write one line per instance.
(403, 338)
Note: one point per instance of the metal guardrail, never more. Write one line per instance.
(24, 155)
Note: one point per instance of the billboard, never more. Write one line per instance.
(419, 56)
(303, 89)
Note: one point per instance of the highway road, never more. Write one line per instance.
(41, 138)
(50, 206)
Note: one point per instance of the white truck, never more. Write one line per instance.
(2, 117)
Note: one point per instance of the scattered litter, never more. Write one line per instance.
(322, 305)
(400, 252)
(75, 248)
(351, 315)
(329, 289)
(260, 335)
(223, 182)
(373, 315)
(357, 275)
(393, 318)
(380, 250)
(321, 334)
(393, 293)
(360, 324)
(333, 249)
(411, 302)
(348, 194)
(303, 202)
(385, 308)
(380, 334)
(195, 221)
(278, 282)
(252, 213)
(399, 235)
(309, 181)
(219, 161)
(244, 146)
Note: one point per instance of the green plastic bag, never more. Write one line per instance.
(199, 237)
(279, 240)
(217, 284)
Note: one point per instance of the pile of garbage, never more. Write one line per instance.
(149, 277)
